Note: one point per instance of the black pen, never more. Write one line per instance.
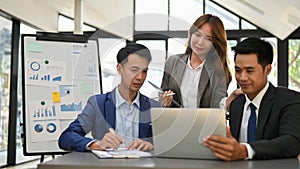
(156, 87)
(162, 91)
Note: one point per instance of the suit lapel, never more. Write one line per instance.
(144, 117)
(180, 68)
(236, 115)
(110, 109)
(204, 79)
(206, 74)
(264, 110)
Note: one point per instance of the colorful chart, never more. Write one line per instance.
(71, 107)
(51, 127)
(38, 128)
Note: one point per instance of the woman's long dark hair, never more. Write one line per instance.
(219, 39)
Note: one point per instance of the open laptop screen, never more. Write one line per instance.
(179, 132)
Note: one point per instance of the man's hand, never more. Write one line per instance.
(140, 145)
(110, 140)
(226, 148)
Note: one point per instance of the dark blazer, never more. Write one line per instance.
(212, 85)
(278, 127)
(98, 116)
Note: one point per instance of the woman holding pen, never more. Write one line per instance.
(200, 76)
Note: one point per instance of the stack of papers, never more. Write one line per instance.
(121, 153)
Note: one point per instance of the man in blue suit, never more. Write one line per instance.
(265, 121)
(121, 116)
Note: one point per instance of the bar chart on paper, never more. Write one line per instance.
(44, 112)
(44, 121)
(59, 77)
(46, 77)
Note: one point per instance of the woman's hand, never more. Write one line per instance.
(166, 98)
(232, 96)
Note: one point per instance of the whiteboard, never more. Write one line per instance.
(58, 78)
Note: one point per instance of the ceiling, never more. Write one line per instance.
(279, 17)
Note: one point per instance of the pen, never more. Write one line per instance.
(112, 130)
(156, 87)
(161, 90)
(170, 94)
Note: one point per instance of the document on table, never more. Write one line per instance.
(121, 153)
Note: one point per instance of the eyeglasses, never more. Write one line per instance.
(206, 38)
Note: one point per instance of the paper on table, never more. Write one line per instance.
(121, 153)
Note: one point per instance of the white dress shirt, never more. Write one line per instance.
(127, 118)
(244, 126)
(189, 85)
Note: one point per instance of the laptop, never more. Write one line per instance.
(179, 132)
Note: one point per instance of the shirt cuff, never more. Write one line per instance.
(222, 103)
(251, 152)
(88, 144)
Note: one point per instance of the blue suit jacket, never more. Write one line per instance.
(98, 116)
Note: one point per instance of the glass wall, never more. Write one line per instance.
(109, 48)
(247, 25)
(294, 64)
(164, 15)
(24, 29)
(273, 74)
(181, 15)
(229, 20)
(156, 67)
(176, 46)
(5, 66)
(151, 15)
(184, 13)
(233, 85)
(66, 24)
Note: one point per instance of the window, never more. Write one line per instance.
(151, 15)
(66, 24)
(156, 67)
(176, 46)
(233, 85)
(294, 64)
(5, 66)
(230, 21)
(247, 25)
(184, 13)
(24, 29)
(109, 48)
(273, 74)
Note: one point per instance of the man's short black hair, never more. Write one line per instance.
(143, 51)
(263, 49)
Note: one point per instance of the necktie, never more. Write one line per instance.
(251, 135)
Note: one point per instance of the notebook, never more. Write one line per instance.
(121, 153)
(179, 132)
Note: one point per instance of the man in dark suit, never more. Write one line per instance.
(265, 121)
(119, 116)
